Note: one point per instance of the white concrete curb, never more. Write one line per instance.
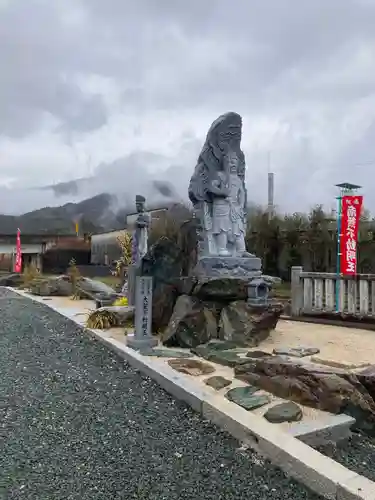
(318, 472)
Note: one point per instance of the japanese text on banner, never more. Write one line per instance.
(351, 212)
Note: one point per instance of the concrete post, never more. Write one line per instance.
(142, 338)
(133, 272)
(297, 291)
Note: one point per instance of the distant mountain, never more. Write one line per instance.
(93, 214)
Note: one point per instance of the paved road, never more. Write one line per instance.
(78, 423)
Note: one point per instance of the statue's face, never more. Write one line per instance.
(233, 164)
(140, 206)
(232, 138)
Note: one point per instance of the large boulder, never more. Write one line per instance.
(94, 286)
(246, 324)
(162, 262)
(329, 389)
(14, 280)
(57, 286)
(61, 286)
(96, 290)
(367, 379)
(192, 323)
(187, 242)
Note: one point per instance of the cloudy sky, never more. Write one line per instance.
(124, 91)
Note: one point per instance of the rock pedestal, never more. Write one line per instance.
(217, 308)
(228, 267)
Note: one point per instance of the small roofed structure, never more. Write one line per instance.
(33, 248)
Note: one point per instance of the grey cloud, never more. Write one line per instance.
(305, 68)
(122, 178)
(39, 66)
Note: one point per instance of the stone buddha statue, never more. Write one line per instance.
(217, 190)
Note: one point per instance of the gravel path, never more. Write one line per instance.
(357, 455)
(80, 424)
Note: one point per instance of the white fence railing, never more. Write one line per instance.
(316, 293)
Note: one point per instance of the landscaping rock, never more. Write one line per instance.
(296, 352)
(188, 243)
(213, 347)
(367, 379)
(192, 367)
(325, 388)
(217, 382)
(163, 263)
(185, 285)
(258, 354)
(192, 323)
(284, 412)
(59, 286)
(226, 358)
(96, 288)
(246, 397)
(165, 353)
(225, 288)
(14, 280)
(202, 351)
(102, 300)
(222, 345)
(245, 324)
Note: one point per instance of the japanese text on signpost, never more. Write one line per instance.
(143, 307)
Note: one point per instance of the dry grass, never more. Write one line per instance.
(101, 320)
(29, 275)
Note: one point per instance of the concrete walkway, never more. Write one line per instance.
(77, 423)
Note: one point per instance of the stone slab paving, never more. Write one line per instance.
(78, 423)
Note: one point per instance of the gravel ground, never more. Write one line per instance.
(78, 423)
(357, 455)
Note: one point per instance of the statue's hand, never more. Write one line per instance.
(223, 193)
(219, 192)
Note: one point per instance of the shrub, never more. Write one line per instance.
(30, 273)
(74, 276)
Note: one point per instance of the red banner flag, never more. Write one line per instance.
(18, 261)
(351, 211)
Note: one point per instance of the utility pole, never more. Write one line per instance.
(270, 185)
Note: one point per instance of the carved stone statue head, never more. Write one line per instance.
(140, 203)
(223, 139)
